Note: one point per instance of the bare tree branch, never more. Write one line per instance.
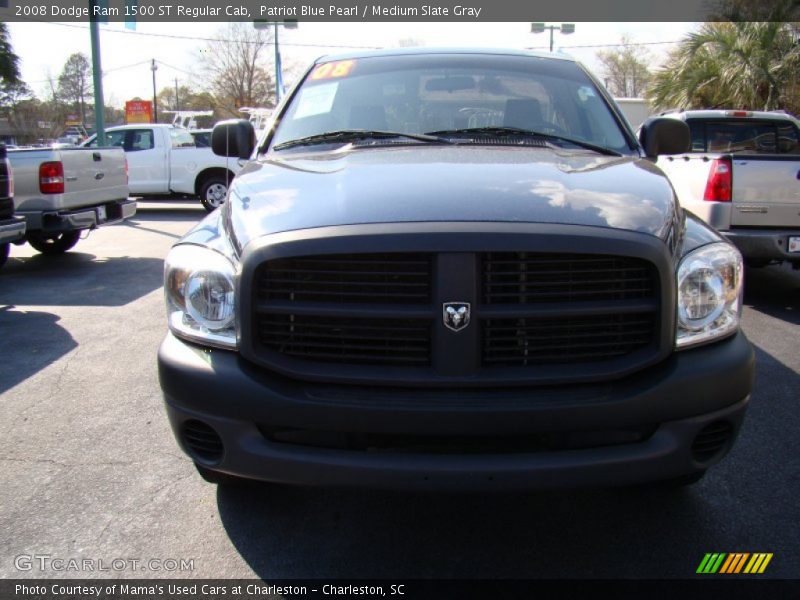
(238, 68)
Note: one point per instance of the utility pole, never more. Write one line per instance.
(288, 24)
(278, 77)
(97, 77)
(154, 68)
(565, 28)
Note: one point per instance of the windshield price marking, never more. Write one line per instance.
(333, 70)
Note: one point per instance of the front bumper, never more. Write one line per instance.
(89, 217)
(771, 244)
(674, 400)
(11, 230)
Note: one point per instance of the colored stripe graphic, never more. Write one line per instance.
(758, 563)
(711, 563)
(722, 563)
(703, 563)
(741, 562)
(734, 563)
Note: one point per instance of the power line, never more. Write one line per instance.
(203, 39)
(144, 62)
(619, 44)
(184, 71)
(105, 71)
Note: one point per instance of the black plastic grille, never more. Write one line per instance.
(348, 278)
(526, 278)
(405, 342)
(454, 444)
(202, 440)
(532, 341)
(711, 440)
(378, 317)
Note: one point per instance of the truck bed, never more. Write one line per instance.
(92, 176)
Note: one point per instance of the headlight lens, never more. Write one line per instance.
(709, 294)
(200, 294)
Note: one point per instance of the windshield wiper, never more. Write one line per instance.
(511, 131)
(348, 135)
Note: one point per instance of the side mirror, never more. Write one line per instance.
(662, 135)
(235, 138)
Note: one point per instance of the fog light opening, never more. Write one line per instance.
(712, 441)
(203, 442)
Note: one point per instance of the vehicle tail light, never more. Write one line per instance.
(10, 179)
(127, 175)
(51, 177)
(738, 113)
(719, 184)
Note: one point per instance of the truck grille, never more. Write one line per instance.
(522, 277)
(523, 342)
(379, 317)
(534, 278)
(359, 341)
(349, 278)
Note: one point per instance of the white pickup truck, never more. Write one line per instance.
(742, 176)
(62, 192)
(163, 159)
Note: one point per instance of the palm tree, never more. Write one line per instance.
(747, 65)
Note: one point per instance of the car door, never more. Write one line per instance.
(146, 153)
(147, 161)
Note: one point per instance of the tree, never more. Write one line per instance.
(746, 65)
(168, 101)
(9, 62)
(237, 68)
(625, 69)
(11, 94)
(763, 10)
(188, 99)
(75, 83)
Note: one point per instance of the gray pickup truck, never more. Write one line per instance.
(453, 269)
(742, 177)
(63, 192)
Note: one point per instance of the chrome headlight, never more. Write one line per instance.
(709, 294)
(199, 285)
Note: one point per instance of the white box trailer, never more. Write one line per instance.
(636, 110)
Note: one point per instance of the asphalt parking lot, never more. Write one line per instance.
(90, 468)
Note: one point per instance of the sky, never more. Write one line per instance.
(126, 56)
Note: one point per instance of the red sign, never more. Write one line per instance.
(139, 111)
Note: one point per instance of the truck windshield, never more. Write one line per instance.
(419, 94)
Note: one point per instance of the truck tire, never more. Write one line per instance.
(213, 192)
(54, 243)
(4, 250)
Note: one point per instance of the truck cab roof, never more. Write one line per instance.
(417, 50)
(727, 113)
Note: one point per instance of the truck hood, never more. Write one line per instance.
(289, 191)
